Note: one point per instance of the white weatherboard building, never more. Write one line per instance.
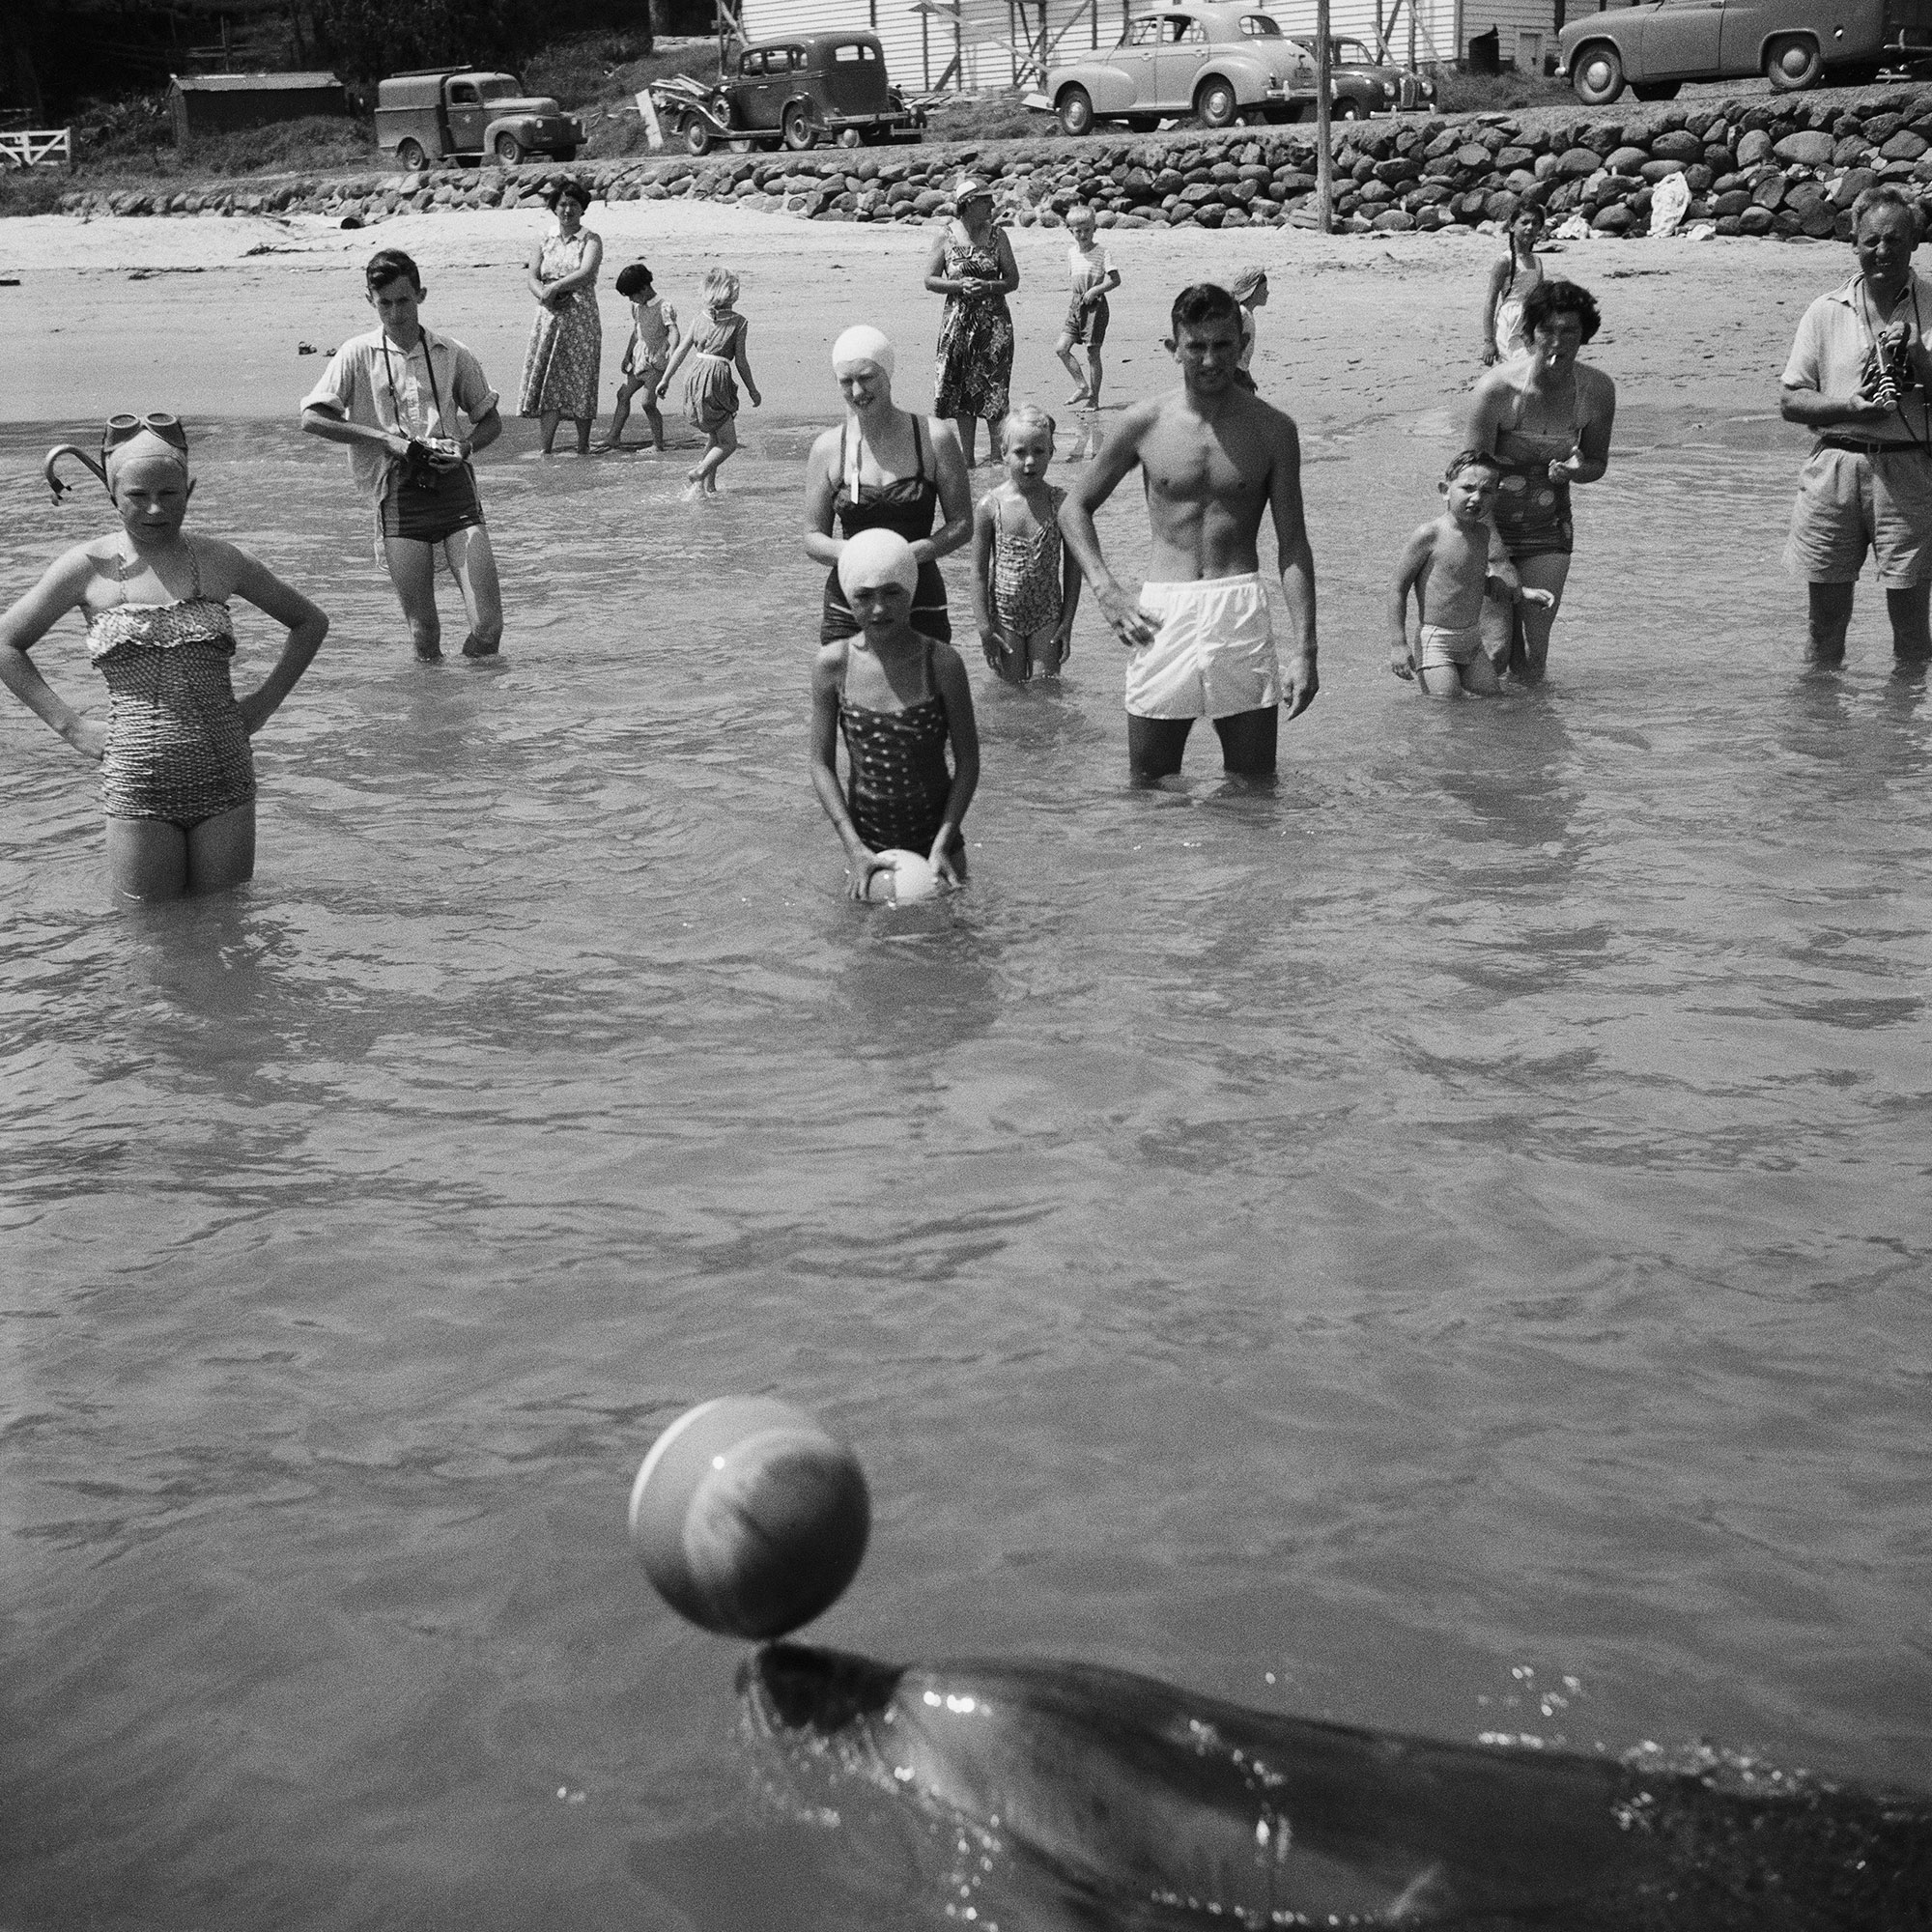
(982, 45)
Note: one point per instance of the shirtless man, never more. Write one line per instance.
(1212, 457)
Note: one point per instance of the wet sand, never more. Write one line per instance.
(208, 316)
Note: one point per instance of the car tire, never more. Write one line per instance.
(1215, 104)
(850, 137)
(799, 132)
(1075, 112)
(1346, 110)
(409, 156)
(508, 149)
(1597, 75)
(697, 136)
(1793, 62)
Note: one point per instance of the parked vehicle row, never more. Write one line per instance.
(800, 91)
(1223, 61)
(462, 114)
(1654, 47)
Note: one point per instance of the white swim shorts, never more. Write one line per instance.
(1215, 654)
(1442, 648)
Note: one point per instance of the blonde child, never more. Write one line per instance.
(177, 773)
(1092, 274)
(654, 338)
(1511, 280)
(900, 699)
(1452, 564)
(1026, 585)
(717, 346)
(1250, 288)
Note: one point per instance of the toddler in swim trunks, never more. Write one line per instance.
(1452, 564)
(647, 354)
(1026, 585)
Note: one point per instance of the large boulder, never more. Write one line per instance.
(1811, 149)
(1753, 148)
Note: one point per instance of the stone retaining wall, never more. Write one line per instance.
(1772, 165)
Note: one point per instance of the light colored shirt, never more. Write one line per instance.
(1835, 336)
(1087, 268)
(370, 380)
(1250, 330)
(655, 320)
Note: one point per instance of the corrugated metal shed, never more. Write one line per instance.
(221, 104)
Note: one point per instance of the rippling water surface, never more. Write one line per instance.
(1442, 1245)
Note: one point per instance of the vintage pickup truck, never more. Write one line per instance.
(1657, 45)
(462, 114)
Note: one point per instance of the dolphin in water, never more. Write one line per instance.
(1145, 1805)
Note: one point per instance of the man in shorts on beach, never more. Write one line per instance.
(1859, 373)
(399, 398)
(1214, 458)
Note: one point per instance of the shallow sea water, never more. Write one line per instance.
(1440, 1245)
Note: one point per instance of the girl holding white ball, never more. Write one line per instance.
(901, 700)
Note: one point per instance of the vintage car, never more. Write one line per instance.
(1360, 85)
(800, 91)
(462, 114)
(1219, 61)
(1657, 45)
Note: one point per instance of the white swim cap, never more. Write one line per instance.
(873, 557)
(145, 447)
(863, 343)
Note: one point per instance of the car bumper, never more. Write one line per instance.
(905, 119)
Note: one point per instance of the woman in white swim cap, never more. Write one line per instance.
(901, 700)
(884, 468)
(177, 775)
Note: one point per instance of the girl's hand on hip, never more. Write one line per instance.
(89, 739)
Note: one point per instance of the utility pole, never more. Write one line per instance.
(1324, 157)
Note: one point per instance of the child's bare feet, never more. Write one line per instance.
(1079, 399)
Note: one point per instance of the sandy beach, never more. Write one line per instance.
(208, 314)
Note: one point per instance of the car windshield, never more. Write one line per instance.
(1355, 53)
(1259, 27)
(500, 87)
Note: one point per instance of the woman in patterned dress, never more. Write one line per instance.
(567, 338)
(971, 266)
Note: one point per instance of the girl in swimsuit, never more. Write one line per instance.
(884, 468)
(1511, 281)
(178, 780)
(1548, 423)
(1026, 585)
(898, 700)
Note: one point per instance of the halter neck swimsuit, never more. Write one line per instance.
(177, 747)
(899, 781)
(908, 506)
(1533, 512)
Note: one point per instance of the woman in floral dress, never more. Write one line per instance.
(971, 266)
(567, 339)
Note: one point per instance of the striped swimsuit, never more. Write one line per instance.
(177, 747)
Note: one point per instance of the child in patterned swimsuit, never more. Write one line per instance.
(1026, 585)
(177, 776)
(898, 700)
(647, 356)
(716, 345)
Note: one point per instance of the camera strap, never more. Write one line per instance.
(395, 401)
(1866, 312)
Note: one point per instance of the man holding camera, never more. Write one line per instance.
(398, 397)
(1859, 373)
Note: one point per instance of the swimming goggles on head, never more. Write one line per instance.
(125, 428)
(119, 429)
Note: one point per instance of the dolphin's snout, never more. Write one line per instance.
(801, 1688)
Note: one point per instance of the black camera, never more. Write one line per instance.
(424, 462)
